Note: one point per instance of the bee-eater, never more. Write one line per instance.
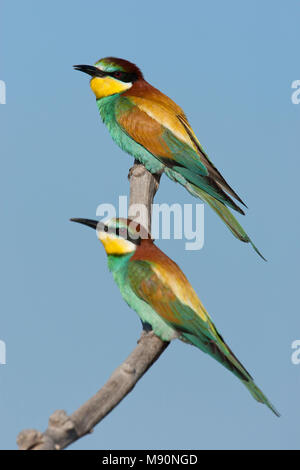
(153, 129)
(156, 288)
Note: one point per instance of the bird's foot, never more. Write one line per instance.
(136, 170)
(146, 332)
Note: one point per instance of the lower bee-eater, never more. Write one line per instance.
(153, 129)
(156, 288)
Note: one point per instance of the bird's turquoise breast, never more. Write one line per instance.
(118, 265)
(107, 108)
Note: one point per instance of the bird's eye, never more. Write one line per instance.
(105, 228)
(118, 74)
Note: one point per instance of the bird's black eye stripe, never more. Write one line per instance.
(105, 228)
(123, 76)
(123, 233)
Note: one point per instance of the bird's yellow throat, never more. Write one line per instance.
(107, 86)
(114, 245)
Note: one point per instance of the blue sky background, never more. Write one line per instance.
(230, 65)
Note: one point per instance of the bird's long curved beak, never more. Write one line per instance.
(90, 70)
(95, 224)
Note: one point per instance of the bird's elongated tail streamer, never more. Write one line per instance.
(222, 211)
(225, 214)
(221, 352)
(259, 396)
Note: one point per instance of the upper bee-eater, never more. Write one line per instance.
(156, 288)
(154, 129)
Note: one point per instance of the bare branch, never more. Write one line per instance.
(63, 429)
(143, 187)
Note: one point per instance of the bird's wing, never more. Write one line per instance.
(172, 298)
(165, 132)
(212, 170)
(156, 127)
(165, 288)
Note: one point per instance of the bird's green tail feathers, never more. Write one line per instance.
(220, 351)
(222, 211)
(259, 396)
(228, 218)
